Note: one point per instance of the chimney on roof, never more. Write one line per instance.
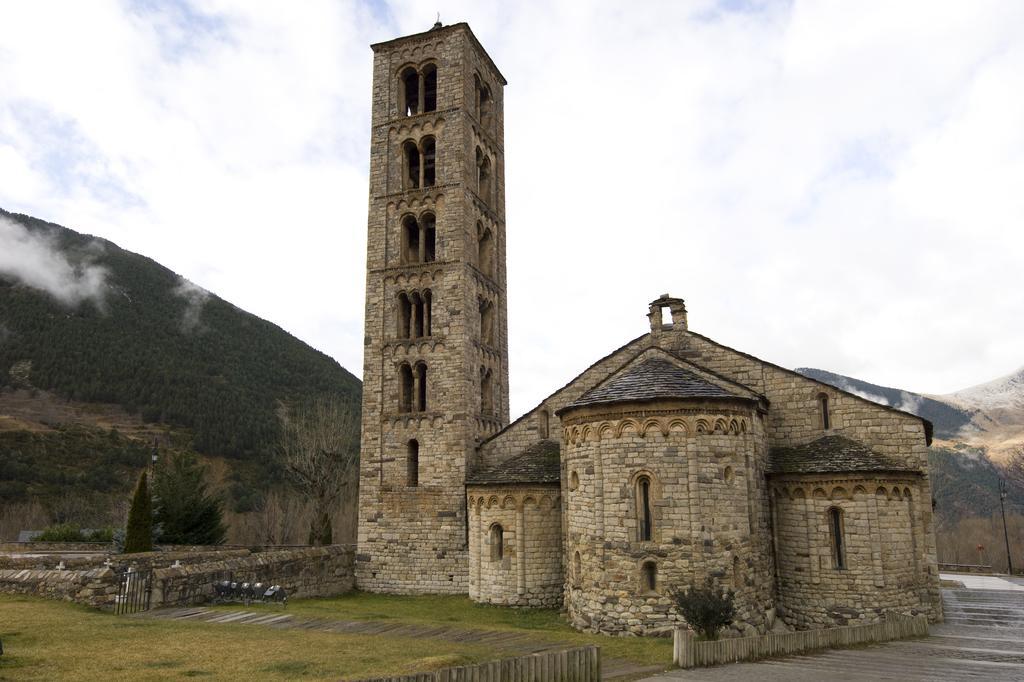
(677, 310)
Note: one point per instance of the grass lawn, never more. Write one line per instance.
(544, 624)
(48, 640)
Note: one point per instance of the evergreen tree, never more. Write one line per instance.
(186, 512)
(139, 534)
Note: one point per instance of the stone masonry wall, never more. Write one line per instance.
(413, 534)
(96, 587)
(882, 531)
(709, 512)
(529, 571)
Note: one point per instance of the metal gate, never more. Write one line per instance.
(133, 591)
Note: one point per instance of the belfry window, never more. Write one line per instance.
(410, 91)
(486, 323)
(419, 239)
(835, 527)
(485, 250)
(413, 464)
(407, 385)
(411, 154)
(486, 392)
(826, 421)
(643, 509)
(404, 316)
(429, 88)
(429, 162)
(543, 424)
(497, 541)
(421, 387)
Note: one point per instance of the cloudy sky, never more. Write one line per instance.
(828, 184)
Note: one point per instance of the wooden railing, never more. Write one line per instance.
(569, 665)
(689, 653)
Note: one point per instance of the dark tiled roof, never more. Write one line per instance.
(650, 380)
(539, 463)
(831, 454)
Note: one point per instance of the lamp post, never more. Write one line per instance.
(1006, 535)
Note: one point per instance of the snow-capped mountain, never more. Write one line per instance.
(1003, 393)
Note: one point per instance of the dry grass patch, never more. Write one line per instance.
(47, 640)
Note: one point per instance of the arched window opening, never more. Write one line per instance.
(486, 392)
(421, 388)
(413, 464)
(577, 569)
(428, 298)
(410, 240)
(649, 577)
(429, 238)
(485, 250)
(428, 146)
(835, 526)
(404, 316)
(543, 423)
(417, 315)
(643, 509)
(406, 388)
(486, 323)
(429, 88)
(484, 180)
(410, 92)
(826, 422)
(574, 481)
(411, 154)
(497, 541)
(486, 106)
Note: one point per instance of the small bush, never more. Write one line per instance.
(61, 532)
(707, 609)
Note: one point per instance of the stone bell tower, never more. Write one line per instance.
(435, 369)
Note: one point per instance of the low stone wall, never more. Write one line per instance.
(141, 561)
(96, 587)
(689, 653)
(310, 572)
(571, 665)
(306, 572)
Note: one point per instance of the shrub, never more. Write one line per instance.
(61, 532)
(139, 533)
(707, 608)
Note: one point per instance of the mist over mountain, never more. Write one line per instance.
(94, 335)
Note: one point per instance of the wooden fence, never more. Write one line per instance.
(689, 653)
(569, 665)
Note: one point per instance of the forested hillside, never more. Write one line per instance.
(149, 341)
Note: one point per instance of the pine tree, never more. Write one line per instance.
(186, 512)
(139, 534)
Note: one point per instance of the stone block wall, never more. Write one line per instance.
(884, 553)
(95, 587)
(709, 509)
(528, 571)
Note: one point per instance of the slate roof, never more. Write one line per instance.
(650, 380)
(831, 454)
(539, 463)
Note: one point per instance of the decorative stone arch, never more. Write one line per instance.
(548, 502)
(655, 424)
(605, 431)
(703, 426)
(627, 423)
(734, 427)
(721, 426)
(799, 494)
(743, 426)
(906, 494)
(679, 425)
(572, 434)
(586, 433)
(839, 492)
(492, 501)
(530, 500)
(896, 494)
(881, 491)
(859, 490)
(819, 494)
(509, 502)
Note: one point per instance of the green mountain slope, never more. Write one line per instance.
(160, 348)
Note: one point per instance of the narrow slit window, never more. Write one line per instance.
(413, 463)
(429, 238)
(417, 316)
(826, 421)
(497, 542)
(410, 240)
(835, 524)
(421, 392)
(649, 577)
(406, 389)
(404, 316)
(643, 507)
(410, 92)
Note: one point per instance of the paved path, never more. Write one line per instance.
(503, 642)
(982, 638)
(985, 582)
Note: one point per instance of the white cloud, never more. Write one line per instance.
(828, 184)
(195, 298)
(35, 260)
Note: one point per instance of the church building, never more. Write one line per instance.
(672, 459)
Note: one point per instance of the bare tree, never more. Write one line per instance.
(320, 450)
(1015, 468)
